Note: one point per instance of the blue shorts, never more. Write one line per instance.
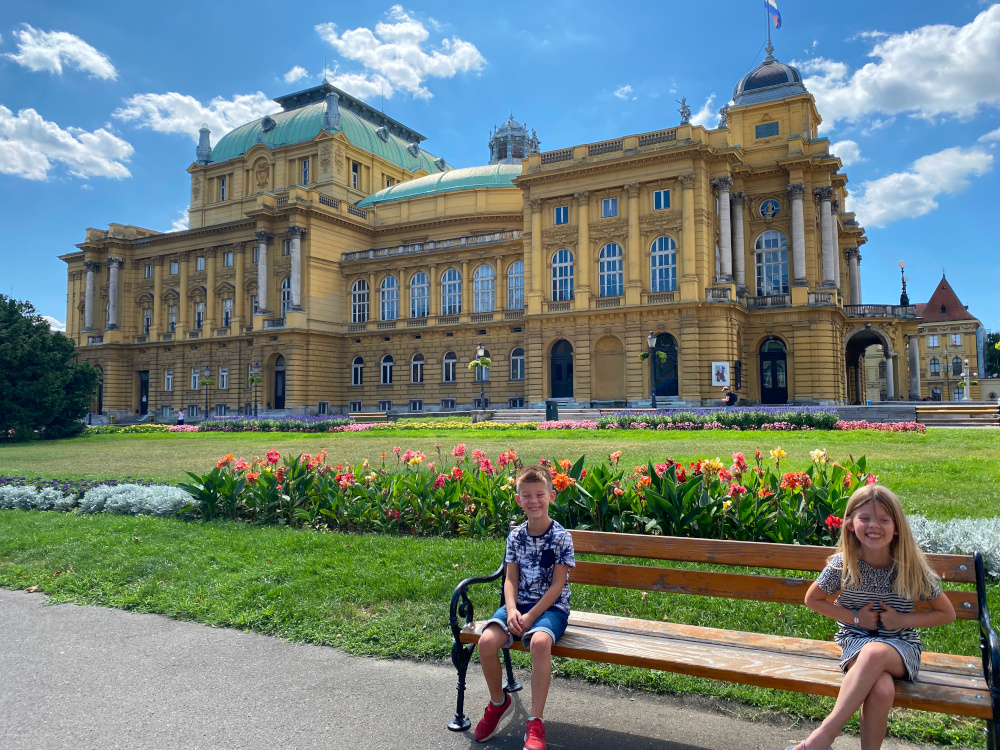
(552, 621)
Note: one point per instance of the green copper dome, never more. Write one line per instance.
(493, 176)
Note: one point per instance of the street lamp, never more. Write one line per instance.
(965, 380)
(255, 379)
(480, 353)
(651, 343)
(904, 300)
(206, 381)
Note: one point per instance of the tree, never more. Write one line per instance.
(992, 356)
(44, 391)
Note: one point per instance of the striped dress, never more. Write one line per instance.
(876, 586)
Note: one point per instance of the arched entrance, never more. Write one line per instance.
(561, 367)
(279, 382)
(665, 377)
(867, 346)
(609, 370)
(773, 372)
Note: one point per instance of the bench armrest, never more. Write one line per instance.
(988, 640)
(460, 604)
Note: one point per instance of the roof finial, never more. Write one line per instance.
(770, 50)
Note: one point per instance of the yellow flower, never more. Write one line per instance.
(818, 456)
(777, 454)
(727, 505)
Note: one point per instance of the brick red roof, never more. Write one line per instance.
(944, 305)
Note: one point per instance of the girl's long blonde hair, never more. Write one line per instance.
(914, 578)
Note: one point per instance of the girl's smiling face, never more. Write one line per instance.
(874, 527)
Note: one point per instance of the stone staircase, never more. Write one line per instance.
(511, 416)
(958, 414)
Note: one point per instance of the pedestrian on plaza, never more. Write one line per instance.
(180, 416)
(729, 398)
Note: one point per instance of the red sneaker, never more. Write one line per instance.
(487, 726)
(534, 735)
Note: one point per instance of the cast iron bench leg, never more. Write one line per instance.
(512, 685)
(460, 657)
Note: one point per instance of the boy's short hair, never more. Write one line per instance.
(534, 473)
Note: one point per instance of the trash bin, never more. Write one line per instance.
(551, 411)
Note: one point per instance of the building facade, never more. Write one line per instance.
(950, 344)
(360, 272)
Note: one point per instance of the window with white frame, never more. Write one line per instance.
(451, 292)
(450, 367)
(199, 315)
(935, 366)
(771, 257)
(195, 375)
(171, 318)
(168, 380)
(354, 406)
(193, 411)
(385, 405)
(305, 171)
(355, 175)
(484, 289)
(387, 369)
(447, 404)
(416, 404)
(221, 410)
(483, 373)
(562, 276)
(227, 313)
(173, 268)
(147, 320)
(957, 394)
(663, 265)
(256, 253)
(515, 403)
(323, 408)
(610, 270)
(956, 339)
(149, 271)
(286, 295)
(224, 377)
(417, 368)
(359, 301)
(227, 259)
(661, 199)
(166, 412)
(389, 298)
(560, 215)
(517, 364)
(358, 371)
(932, 341)
(935, 394)
(420, 295)
(515, 285)
(389, 181)
(199, 263)
(222, 188)
(254, 304)
(287, 248)
(479, 403)
(609, 208)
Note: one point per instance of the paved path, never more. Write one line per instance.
(87, 678)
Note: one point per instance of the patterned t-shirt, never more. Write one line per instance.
(536, 558)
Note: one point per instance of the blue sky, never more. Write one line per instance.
(100, 105)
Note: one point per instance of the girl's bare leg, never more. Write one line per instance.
(875, 712)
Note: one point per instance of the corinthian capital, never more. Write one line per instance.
(823, 193)
(536, 205)
(722, 184)
(632, 189)
(263, 238)
(294, 231)
(796, 190)
(686, 180)
(582, 197)
(91, 266)
(115, 262)
(737, 198)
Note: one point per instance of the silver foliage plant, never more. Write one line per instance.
(135, 500)
(961, 536)
(35, 498)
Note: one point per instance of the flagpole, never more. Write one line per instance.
(767, 20)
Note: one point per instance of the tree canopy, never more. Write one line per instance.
(44, 391)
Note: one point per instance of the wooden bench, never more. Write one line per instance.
(371, 417)
(948, 683)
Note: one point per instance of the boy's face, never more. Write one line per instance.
(534, 498)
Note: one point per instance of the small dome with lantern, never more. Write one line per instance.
(768, 82)
(510, 143)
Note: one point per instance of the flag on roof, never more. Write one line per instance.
(772, 8)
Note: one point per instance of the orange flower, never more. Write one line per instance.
(566, 464)
(645, 481)
(561, 481)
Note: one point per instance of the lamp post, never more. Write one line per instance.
(206, 381)
(965, 380)
(651, 343)
(480, 353)
(255, 379)
(904, 300)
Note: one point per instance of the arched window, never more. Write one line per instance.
(562, 276)
(420, 295)
(484, 289)
(935, 366)
(517, 364)
(389, 298)
(663, 265)
(359, 302)
(956, 366)
(483, 373)
(610, 268)
(515, 286)
(771, 254)
(387, 369)
(957, 394)
(935, 394)
(450, 366)
(286, 295)
(417, 368)
(358, 371)
(451, 292)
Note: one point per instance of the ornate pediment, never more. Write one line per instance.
(662, 221)
(605, 231)
(559, 235)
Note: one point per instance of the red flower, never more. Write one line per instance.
(680, 473)
(833, 522)
(795, 480)
(645, 481)
(273, 457)
(439, 482)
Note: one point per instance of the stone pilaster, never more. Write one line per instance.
(796, 191)
(157, 297)
(583, 252)
(114, 283)
(91, 267)
(296, 233)
(690, 288)
(263, 239)
(633, 253)
(723, 184)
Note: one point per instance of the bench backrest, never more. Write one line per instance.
(761, 587)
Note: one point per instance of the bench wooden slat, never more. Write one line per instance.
(785, 671)
(725, 585)
(750, 554)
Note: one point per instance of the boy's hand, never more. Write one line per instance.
(867, 618)
(515, 622)
(891, 619)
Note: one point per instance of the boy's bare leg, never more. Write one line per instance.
(541, 671)
(490, 644)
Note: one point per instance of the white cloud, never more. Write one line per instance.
(295, 74)
(848, 151)
(932, 71)
(54, 325)
(624, 92)
(906, 195)
(993, 135)
(706, 114)
(180, 113)
(394, 56)
(30, 146)
(48, 50)
(180, 223)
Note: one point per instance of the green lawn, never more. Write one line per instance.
(942, 474)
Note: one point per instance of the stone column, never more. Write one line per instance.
(157, 295)
(857, 273)
(722, 184)
(796, 191)
(584, 255)
(835, 239)
(263, 238)
(739, 243)
(633, 253)
(239, 297)
(92, 267)
(854, 283)
(182, 297)
(824, 195)
(114, 265)
(210, 254)
(913, 365)
(858, 369)
(295, 233)
(537, 261)
(890, 387)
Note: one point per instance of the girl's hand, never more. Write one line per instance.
(867, 618)
(891, 619)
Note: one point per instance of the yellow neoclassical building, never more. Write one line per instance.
(361, 273)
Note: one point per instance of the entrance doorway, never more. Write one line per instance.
(665, 378)
(562, 369)
(609, 370)
(773, 372)
(279, 382)
(143, 392)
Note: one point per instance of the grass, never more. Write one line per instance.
(381, 596)
(942, 474)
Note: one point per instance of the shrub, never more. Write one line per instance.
(35, 498)
(126, 429)
(963, 536)
(291, 423)
(743, 418)
(135, 500)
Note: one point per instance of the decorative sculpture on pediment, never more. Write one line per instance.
(608, 231)
(195, 188)
(661, 222)
(325, 157)
(767, 207)
(338, 159)
(262, 175)
(560, 235)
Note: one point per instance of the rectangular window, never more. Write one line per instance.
(355, 175)
(199, 263)
(147, 320)
(173, 268)
(193, 411)
(166, 412)
(223, 377)
(220, 410)
(932, 341)
(227, 259)
(168, 380)
(609, 208)
(956, 339)
(323, 408)
(354, 407)
(385, 406)
(515, 403)
(389, 181)
(661, 199)
(305, 171)
(172, 318)
(199, 315)
(254, 304)
(256, 253)
(227, 313)
(149, 271)
(561, 215)
(195, 373)
(222, 188)
(766, 130)
(287, 250)
(416, 404)
(447, 404)
(480, 403)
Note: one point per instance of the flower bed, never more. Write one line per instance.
(743, 418)
(126, 429)
(291, 423)
(880, 426)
